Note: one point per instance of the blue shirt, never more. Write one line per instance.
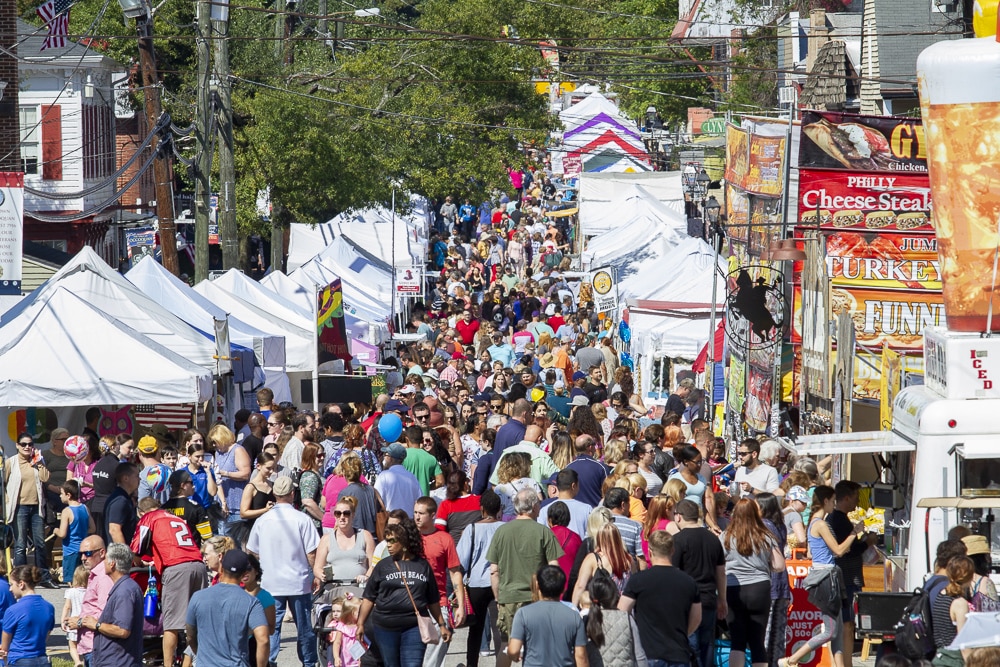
(508, 435)
(592, 474)
(123, 609)
(503, 353)
(78, 529)
(6, 597)
(29, 621)
(224, 616)
(200, 481)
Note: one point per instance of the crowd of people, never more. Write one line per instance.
(510, 480)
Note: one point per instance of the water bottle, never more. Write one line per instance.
(150, 601)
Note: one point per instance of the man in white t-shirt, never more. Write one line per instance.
(752, 476)
(286, 540)
(567, 486)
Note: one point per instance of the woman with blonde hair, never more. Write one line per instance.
(234, 468)
(344, 553)
(514, 475)
(614, 452)
(601, 415)
(635, 484)
(562, 452)
(212, 551)
(609, 554)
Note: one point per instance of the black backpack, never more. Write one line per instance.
(914, 634)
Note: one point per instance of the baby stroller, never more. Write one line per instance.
(321, 607)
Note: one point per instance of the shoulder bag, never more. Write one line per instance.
(429, 633)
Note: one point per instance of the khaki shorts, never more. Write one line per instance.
(180, 582)
(505, 616)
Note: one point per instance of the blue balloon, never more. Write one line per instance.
(390, 427)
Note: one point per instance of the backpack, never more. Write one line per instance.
(914, 635)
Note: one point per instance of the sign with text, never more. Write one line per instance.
(885, 260)
(894, 317)
(409, 281)
(755, 163)
(833, 140)
(11, 231)
(140, 242)
(605, 290)
(855, 200)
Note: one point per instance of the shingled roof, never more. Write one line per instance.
(826, 87)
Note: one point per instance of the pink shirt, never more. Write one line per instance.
(331, 491)
(96, 596)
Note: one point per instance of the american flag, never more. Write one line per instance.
(55, 13)
(174, 417)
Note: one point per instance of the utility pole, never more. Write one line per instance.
(289, 28)
(162, 171)
(226, 213)
(203, 164)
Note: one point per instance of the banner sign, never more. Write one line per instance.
(330, 328)
(140, 242)
(409, 281)
(893, 317)
(11, 231)
(883, 260)
(833, 140)
(889, 385)
(737, 214)
(755, 163)
(759, 398)
(849, 200)
(605, 290)
(765, 224)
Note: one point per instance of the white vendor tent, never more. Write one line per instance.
(364, 317)
(371, 230)
(66, 352)
(300, 295)
(177, 296)
(91, 279)
(646, 229)
(607, 198)
(264, 313)
(683, 274)
(597, 137)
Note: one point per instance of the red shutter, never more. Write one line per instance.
(52, 142)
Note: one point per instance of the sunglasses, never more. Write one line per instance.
(26, 444)
(340, 513)
(496, 406)
(391, 540)
(88, 554)
(421, 417)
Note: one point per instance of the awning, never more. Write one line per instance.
(965, 502)
(562, 213)
(862, 442)
(979, 447)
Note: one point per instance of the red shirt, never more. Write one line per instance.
(556, 321)
(167, 537)
(439, 551)
(467, 331)
(570, 542)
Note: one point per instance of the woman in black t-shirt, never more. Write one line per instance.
(387, 598)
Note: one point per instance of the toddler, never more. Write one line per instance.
(345, 640)
(73, 607)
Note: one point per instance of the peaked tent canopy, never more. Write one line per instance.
(90, 278)
(176, 295)
(641, 222)
(60, 357)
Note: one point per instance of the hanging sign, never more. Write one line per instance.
(409, 281)
(605, 290)
(11, 231)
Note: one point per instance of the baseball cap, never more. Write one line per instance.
(392, 405)
(580, 399)
(432, 373)
(235, 561)
(395, 450)
(553, 479)
(797, 493)
(148, 445)
(579, 375)
(407, 389)
(283, 486)
(559, 385)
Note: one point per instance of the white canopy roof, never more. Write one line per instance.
(91, 279)
(370, 230)
(66, 352)
(607, 200)
(171, 292)
(364, 318)
(643, 225)
(267, 314)
(587, 108)
(279, 283)
(683, 274)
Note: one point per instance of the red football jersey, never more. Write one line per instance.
(167, 537)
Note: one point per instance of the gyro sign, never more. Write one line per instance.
(862, 143)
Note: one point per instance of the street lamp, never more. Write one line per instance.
(702, 180)
(134, 9)
(712, 208)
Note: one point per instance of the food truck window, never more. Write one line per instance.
(979, 474)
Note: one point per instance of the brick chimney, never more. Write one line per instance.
(819, 34)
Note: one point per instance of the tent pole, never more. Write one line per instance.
(315, 368)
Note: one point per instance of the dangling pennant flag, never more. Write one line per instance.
(55, 13)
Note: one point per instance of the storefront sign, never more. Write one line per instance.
(883, 260)
(895, 317)
(846, 200)
(11, 231)
(755, 163)
(862, 143)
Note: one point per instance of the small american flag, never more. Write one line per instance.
(55, 13)
(174, 417)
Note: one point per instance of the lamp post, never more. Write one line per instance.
(712, 209)
(162, 171)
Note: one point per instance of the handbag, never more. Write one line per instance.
(381, 517)
(429, 633)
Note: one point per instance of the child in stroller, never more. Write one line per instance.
(328, 617)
